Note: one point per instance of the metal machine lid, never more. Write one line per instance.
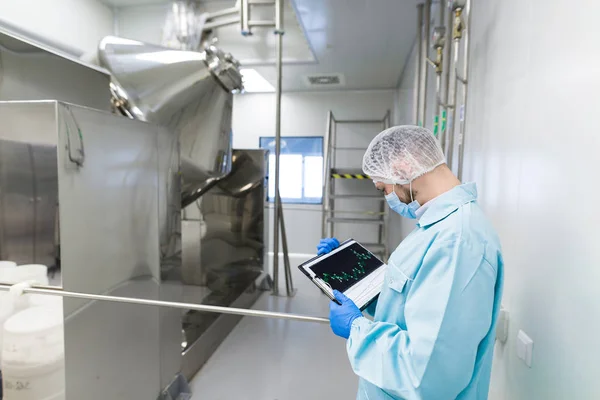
(224, 67)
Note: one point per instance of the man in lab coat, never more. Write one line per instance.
(433, 331)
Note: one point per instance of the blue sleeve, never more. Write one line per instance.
(448, 312)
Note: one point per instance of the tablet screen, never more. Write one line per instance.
(345, 266)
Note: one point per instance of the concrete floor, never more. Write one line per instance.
(264, 359)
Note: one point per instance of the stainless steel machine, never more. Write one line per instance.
(153, 205)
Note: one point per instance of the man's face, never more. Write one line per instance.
(402, 191)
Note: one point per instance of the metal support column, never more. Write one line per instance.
(278, 212)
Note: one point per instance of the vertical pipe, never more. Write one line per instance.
(277, 155)
(279, 17)
(423, 64)
(438, 78)
(446, 77)
(452, 106)
(245, 11)
(326, 175)
(438, 100)
(289, 284)
(419, 60)
(465, 77)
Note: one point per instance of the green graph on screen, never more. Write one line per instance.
(355, 274)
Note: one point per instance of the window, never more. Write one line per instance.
(300, 169)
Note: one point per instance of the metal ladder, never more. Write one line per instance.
(331, 215)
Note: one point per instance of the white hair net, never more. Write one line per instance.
(401, 154)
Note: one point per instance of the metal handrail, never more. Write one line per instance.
(55, 291)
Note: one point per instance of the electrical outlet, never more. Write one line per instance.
(524, 348)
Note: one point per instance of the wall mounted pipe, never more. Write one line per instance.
(464, 79)
(446, 74)
(457, 31)
(419, 60)
(423, 63)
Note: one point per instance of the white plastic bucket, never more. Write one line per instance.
(34, 382)
(7, 264)
(33, 354)
(31, 272)
(34, 272)
(7, 309)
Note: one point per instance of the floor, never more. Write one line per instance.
(265, 359)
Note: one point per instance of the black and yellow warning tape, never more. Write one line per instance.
(350, 176)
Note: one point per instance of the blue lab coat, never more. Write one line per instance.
(434, 325)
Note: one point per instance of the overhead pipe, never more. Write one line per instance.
(419, 60)
(423, 63)
(464, 79)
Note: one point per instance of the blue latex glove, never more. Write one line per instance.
(342, 316)
(327, 245)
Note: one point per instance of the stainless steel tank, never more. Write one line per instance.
(190, 93)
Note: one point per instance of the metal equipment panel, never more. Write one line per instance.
(30, 71)
(228, 223)
(109, 176)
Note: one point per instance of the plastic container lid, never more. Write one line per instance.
(35, 320)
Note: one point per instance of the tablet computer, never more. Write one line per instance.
(350, 269)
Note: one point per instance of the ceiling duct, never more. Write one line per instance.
(184, 26)
(328, 80)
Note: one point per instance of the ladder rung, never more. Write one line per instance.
(358, 196)
(371, 213)
(356, 221)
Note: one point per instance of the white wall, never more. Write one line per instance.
(79, 24)
(305, 114)
(532, 146)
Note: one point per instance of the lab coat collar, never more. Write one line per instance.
(447, 203)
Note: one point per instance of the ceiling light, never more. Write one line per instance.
(255, 82)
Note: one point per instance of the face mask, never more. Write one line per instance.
(405, 210)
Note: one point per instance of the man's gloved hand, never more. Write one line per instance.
(342, 316)
(327, 245)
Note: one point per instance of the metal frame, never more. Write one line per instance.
(329, 218)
